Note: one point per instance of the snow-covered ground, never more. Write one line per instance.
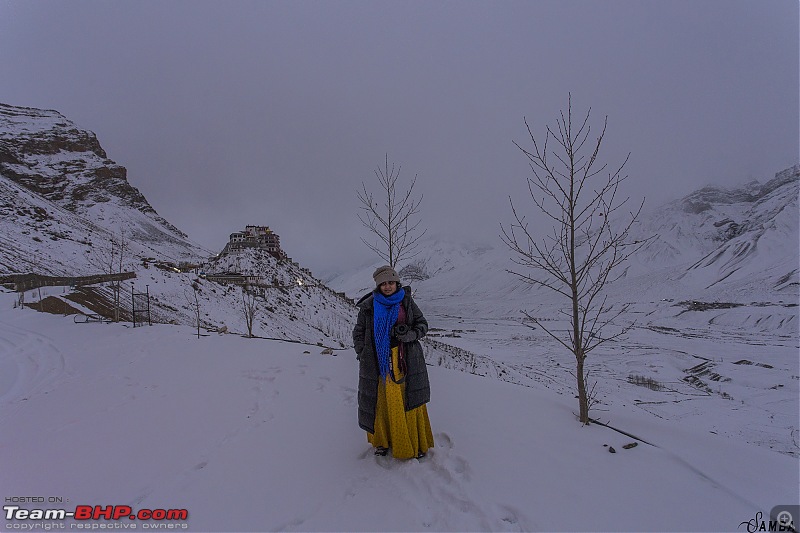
(260, 435)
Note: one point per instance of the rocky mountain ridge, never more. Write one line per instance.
(49, 155)
(752, 192)
(732, 236)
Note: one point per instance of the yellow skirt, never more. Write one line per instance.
(407, 433)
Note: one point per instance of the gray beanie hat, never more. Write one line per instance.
(385, 273)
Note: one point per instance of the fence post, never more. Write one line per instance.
(133, 305)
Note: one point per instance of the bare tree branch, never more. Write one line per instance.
(393, 222)
(249, 308)
(579, 195)
(194, 303)
(111, 257)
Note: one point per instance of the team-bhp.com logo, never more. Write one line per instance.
(95, 513)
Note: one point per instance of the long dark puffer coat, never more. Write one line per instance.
(418, 389)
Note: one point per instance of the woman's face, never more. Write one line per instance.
(388, 287)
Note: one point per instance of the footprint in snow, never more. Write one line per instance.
(443, 440)
(348, 396)
(321, 383)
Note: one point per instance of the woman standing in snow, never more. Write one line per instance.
(393, 385)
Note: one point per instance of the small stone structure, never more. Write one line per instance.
(261, 237)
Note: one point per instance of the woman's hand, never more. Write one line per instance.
(401, 332)
(408, 336)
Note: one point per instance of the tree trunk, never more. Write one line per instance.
(116, 291)
(583, 397)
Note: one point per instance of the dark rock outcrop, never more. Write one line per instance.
(49, 155)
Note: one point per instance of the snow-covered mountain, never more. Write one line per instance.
(736, 240)
(62, 201)
(50, 156)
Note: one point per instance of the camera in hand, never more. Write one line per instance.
(399, 329)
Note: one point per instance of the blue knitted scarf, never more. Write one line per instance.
(385, 310)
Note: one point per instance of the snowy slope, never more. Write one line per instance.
(255, 435)
(299, 308)
(38, 235)
(41, 236)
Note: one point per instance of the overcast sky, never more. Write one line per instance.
(233, 113)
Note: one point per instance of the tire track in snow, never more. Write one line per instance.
(29, 361)
(257, 415)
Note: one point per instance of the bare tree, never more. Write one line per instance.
(112, 257)
(193, 299)
(582, 254)
(393, 221)
(249, 308)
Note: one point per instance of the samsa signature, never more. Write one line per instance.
(758, 524)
